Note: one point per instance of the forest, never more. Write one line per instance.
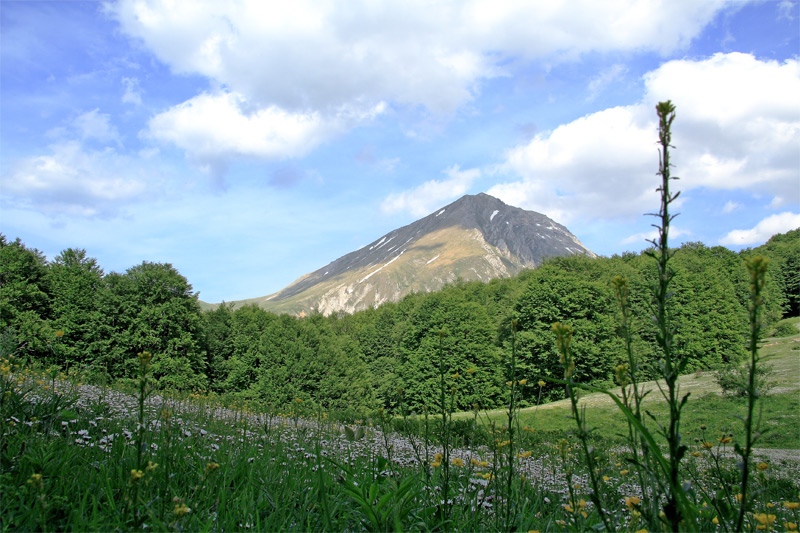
(67, 313)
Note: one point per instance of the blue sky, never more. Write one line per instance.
(250, 142)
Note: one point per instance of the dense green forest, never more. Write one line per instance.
(68, 313)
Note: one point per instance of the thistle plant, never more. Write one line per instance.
(563, 339)
(757, 267)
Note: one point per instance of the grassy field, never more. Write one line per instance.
(91, 458)
(707, 406)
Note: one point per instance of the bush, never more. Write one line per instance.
(734, 380)
(784, 329)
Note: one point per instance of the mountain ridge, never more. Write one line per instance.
(474, 237)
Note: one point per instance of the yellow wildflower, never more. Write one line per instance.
(725, 440)
(136, 475)
(542, 383)
(791, 505)
(522, 381)
(624, 472)
(210, 467)
(764, 518)
(606, 478)
(715, 521)
(762, 466)
(59, 333)
(708, 445)
(568, 508)
(471, 370)
(457, 462)
(151, 466)
(790, 526)
(632, 501)
(181, 509)
(641, 531)
(525, 454)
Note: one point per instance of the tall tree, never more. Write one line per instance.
(25, 301)
(75, 282)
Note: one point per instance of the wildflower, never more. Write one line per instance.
(144, 358)
(715, 521)
(696, 454)
(738, 497)
(457, 462)
(474, 462)
(533, 531)
(59, 333)
(606, 478)
(764, 519)
(136, 475)
(525, 454)
(35, 480)
(632, 501)
(762, 466)
(456, 375)
(150, 466)
(641, 531)
(181, 509)
(791, 505)
(471, 370)
(708, 445)
(522, 381)
(542, 383)
(624, 472)
(568, 508)
(790, 526)
(725, 440)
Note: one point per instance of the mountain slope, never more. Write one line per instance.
(474, 238)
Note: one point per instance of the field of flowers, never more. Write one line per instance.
(89, 457)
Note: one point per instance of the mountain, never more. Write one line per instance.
(474, 238)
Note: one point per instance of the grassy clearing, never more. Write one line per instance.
(707, 407)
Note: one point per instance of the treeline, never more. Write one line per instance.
(68, 313)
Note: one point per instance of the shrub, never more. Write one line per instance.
(734, 380)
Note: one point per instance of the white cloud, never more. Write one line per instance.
(652, 235)
(730, 207)
(214, 127)
(298, 64)
(605, 78)
(765, 229)
(133, 93)
(96, 125)
(74, 182)
(320, 53)
(423, 199)
(737, 127)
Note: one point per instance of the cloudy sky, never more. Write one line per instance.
(249, 142)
